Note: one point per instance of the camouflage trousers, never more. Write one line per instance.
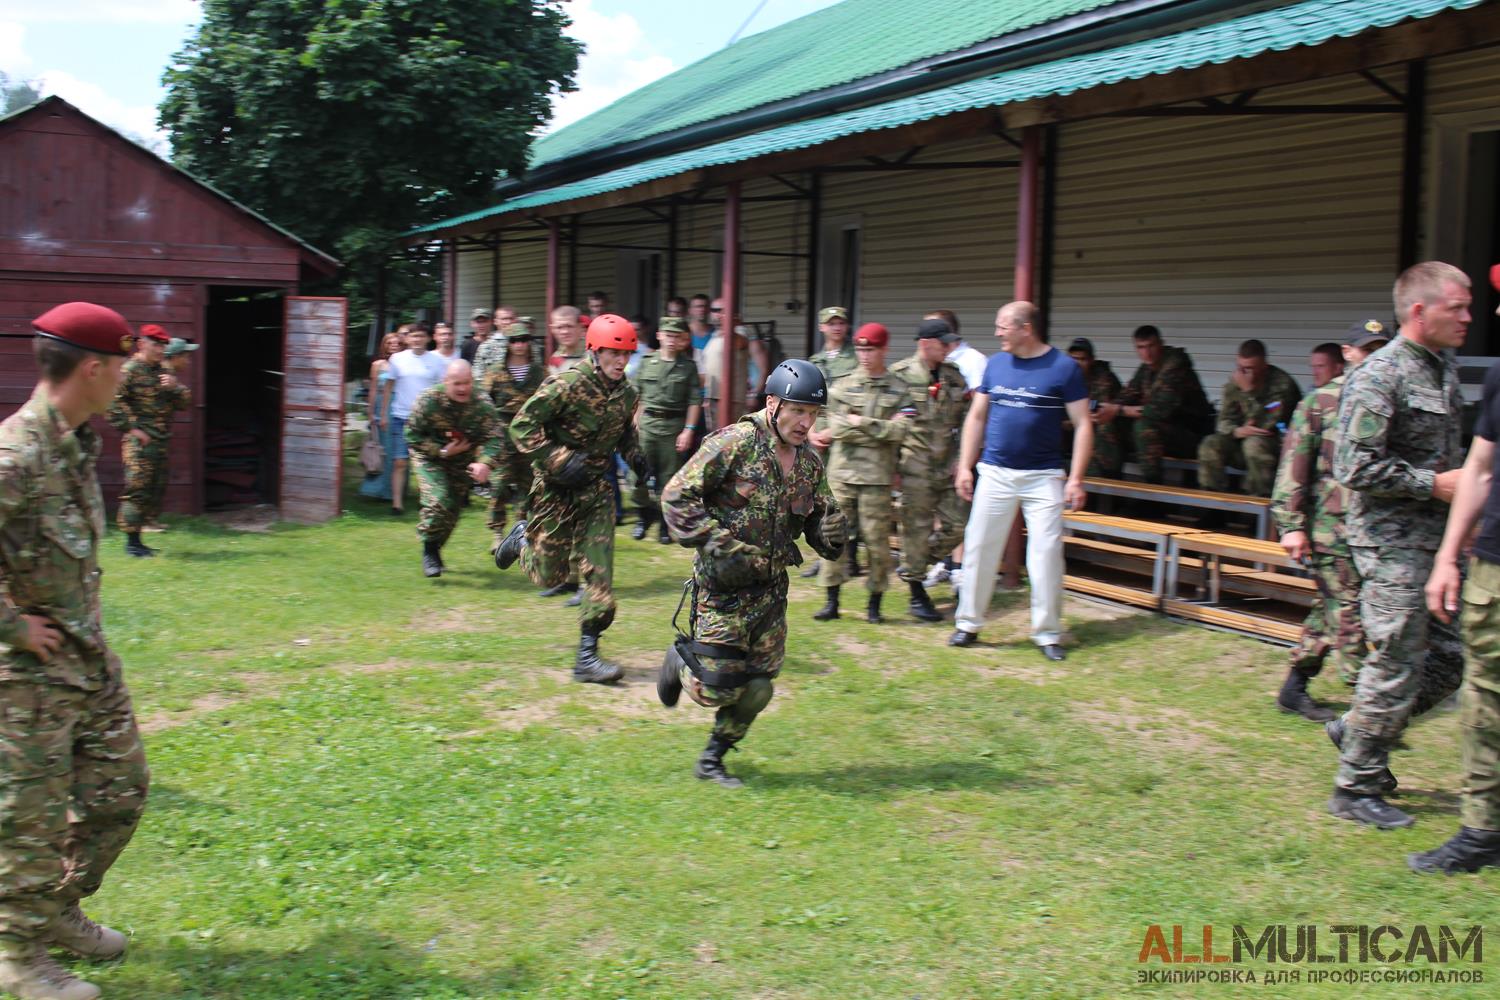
(868, 511)
(933, 518)
(145, 482)
(441, 489)
(73, 783)
(754, 621)
(1415, 661)
(1479, 704)
(662, 454)
(1332, 625)
(571, 531)
(1258, 456)
(1155, 441)
(509, 484)
(1108, 456)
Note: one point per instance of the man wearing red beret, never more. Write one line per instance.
(868, 411)
(72, 769)
(142, 413)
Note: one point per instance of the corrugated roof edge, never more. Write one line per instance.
(329, 258)
(1309, 23)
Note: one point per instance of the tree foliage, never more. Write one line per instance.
(16, 94)
(351, 121)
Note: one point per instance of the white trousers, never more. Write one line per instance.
(997, 493)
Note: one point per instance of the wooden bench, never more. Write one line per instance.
(1152, 533)
(1245, 580)
(1111, 592)
(1237, 503)
(1214, 547)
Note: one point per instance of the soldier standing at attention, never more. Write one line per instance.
(142, 413)
(454, 436)
(72, 769)
(1477, 842)
(508, 383)
(1309, 505)
(1258, 400)
(1165, 402)
(669, 413)
(1398, 454)
(868, 413)
(742, 501)
(835, 360)
(570, 429)
(932, 518)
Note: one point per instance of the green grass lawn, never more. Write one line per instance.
(368, 784)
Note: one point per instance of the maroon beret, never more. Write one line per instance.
(1495, 277)
(872, 335)
(83, 324)
(155, 333)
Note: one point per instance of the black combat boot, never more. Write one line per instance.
(829, 611)
(432, 559)
(1372, 810)
(1467, 851)
(662, 534)
(921, 607)
(711, 763)
(135, 547)
(642, 524)
(852, 550)
(589, 668)
(1335, 731)
(872, 610)
(1295, 699)
(509, 549)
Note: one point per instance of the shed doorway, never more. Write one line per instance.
(243, 389)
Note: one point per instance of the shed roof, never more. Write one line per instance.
(1310, 22)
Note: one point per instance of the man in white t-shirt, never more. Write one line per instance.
(969, 362)
(414, 370)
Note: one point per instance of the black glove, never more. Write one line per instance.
(572, 473)
(640, 467)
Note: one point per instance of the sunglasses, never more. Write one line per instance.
(716, 309)
(519, 338)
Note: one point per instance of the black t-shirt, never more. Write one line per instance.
(1487, 546)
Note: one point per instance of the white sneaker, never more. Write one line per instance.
(936, 575)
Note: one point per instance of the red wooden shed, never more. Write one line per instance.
(87, 214)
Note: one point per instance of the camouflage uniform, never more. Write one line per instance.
(1308, 499)
(1266, 407)
(143, 403)
(73, 771)
(667, 389)
(932, 516)
(1175, 412)
(512, 482)
(833, 367)
(443, 483)
(1398, 428)
(733, 502)
(863, 466)
(1108, 456)
(576, 411)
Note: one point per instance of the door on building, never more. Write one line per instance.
(242, 396)
(312, 424)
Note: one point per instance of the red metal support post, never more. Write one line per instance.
(554, 262)
(1028, 204)
(729, 319)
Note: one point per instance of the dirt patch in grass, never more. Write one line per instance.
(1160, 726)
(258, 519)
(256, 686)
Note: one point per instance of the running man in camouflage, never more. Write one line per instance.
(1258, 402)
(454, 439)
(570, 429)
(142, 413)
(73, 774)
(742, 501)
(1398, 453)
(932, 516)
(511, 377)
(1308, 505)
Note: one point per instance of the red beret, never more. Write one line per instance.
(83, 324)
(872, 335)
(1495, 277)
(155, 333)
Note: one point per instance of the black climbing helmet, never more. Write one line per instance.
(798, 381)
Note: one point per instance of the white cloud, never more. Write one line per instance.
(101, 11)
(14, 62)
(617, 59)
(137, 121)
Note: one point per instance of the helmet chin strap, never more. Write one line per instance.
(775, 422)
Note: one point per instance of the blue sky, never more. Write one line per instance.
(107, 56)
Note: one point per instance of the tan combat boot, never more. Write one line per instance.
(74, 931)
(35, 975)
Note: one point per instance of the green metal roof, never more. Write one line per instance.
(1309, 23)
(839, 44)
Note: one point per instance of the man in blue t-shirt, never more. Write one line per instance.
(1016, 417)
